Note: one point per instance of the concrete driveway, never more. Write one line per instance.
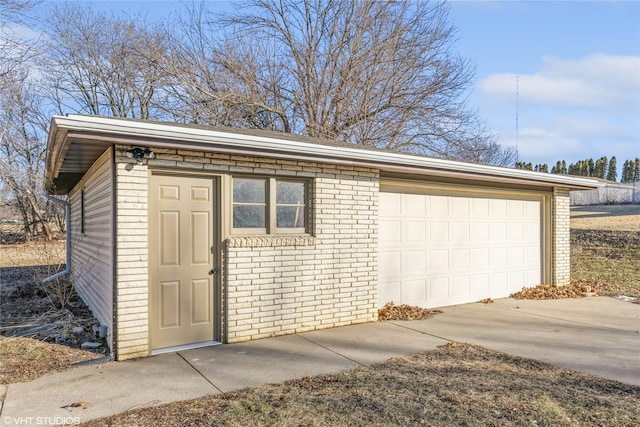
(596, 335)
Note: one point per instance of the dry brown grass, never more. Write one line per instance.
(606, 217)
(454, 385)
(25, 359)
(37, 252)
(605, 248)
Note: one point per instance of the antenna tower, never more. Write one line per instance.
(517, 104)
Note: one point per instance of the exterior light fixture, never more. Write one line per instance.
(139, 153)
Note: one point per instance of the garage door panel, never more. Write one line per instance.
(516, 280)
(498, 207)
(532, 231)
(438, 260)
(498, 281)
(480, 207)
(415, 231)
(453, 249)
(498, 257)
(389, 204)
(480, 284)
(390, 231)
(390, 291)
(390, 262)
(415, 261)
(439, 232)
(516, 231)
(460, 286)
(460, 259)
(438, 288)
(479, 231)
(416, 290)
(460, 231)
(515, 208)
(498, 232)
(532, 255)
(516, 256)
(415, 204)
(459, 207)
(480, 258)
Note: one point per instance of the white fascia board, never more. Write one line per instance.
(184, 137)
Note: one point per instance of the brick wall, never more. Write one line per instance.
(272, 285)
(560, 254)
(276, 286)
(132, 289)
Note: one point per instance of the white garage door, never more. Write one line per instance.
(438, 250)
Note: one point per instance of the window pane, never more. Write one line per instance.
(248, 216)
(290, 193)
(247, 190)
(290, 216)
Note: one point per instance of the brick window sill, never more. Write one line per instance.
(269, 241)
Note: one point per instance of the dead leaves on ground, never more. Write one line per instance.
(542, 292)
(390, 311)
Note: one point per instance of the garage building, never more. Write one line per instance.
(184, 236)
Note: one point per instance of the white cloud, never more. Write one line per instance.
(596, 82)
(572, 138)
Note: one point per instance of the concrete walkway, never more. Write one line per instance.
(596, 335)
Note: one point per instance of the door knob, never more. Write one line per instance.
(214, 270)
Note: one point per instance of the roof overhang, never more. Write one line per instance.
(75, 142)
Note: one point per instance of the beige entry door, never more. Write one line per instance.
(181, 279)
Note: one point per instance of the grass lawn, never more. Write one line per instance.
(605, 248)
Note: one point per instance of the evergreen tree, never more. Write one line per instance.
(541, 167)
(627, 171)
(598, 172)
(564, 168)
(636, 172)
(612, 173)
(592, 168)
(585, 170)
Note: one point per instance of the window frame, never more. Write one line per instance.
(271, 227)
(83, 221)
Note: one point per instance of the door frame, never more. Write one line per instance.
(217, 257)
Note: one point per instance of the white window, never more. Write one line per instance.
(270, 206)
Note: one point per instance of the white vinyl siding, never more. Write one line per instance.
(445, 249)
(92, 248)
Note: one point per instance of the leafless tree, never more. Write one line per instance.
(22, 151)
(95, 65)
(378, 73)
(15, 48)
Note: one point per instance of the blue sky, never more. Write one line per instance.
(577, 66)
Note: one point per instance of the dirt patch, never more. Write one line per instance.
(32, 322)
(28, 310)
(454, 385)
(606, 217)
